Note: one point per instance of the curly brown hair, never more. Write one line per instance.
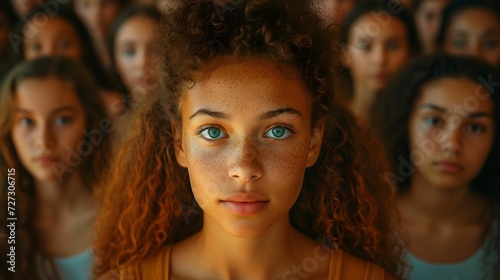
(148, 202)
(27, 242)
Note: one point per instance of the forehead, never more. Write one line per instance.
(136, 27)
(478, 18)
(52, 25)
(456, 94)
(228, 84)
(368, 26)
(42, 94)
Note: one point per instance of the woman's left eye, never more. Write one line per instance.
(62, 121)
(278, 132)
(212, 133)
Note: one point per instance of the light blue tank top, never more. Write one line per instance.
(77, 267)
(478, 266)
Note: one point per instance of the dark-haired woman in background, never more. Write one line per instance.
(440, 123)
(472, 27)
(378, 39)
(428, 15)
(134, 55)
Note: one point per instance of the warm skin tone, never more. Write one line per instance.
(254, 139)
(56, 37)
(134, 57)
(446, 219)
(427, 21)
(475, 32)
(373, 55)
(49, 119)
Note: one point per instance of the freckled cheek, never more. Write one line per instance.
(206, 171)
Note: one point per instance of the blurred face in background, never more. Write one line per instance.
(48, 123)
(474, 32)
(428, 20)
(98, 15)
(23, 7)
(461, 140)
(374, 55)
(135, 61)
(57, 37)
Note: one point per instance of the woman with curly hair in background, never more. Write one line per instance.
(439, 121)
(243, 166)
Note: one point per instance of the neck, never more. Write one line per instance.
(71, 194)
(436, 203)
(264, 257)
(362, 101)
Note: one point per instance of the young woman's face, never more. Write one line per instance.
(56, 37)
(475, 32)
(376, 51)
(135, 61)
(98, 15)
(48, 127)
(428, 20)
(246, 140)
(451, 132)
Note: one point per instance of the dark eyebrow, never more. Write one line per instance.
(277, 112)
(264, 116)
(433, 107)
(480, 115)
(57, 110)
(492, 32)
(213, 114)
(470, 116)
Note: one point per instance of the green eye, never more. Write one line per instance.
(278, 132)
(212, 133)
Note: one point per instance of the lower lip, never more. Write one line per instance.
(244, 208)
(448, 168)
(45, 161)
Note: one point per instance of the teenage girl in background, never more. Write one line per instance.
(440, 123)
(132, 45)
(377, 43)
(53, 132)
(472, 27)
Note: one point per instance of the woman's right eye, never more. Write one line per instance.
(34, 47)
(459, 43)
(128, 52)
(433, 121)
(212, 133)
(26, 122)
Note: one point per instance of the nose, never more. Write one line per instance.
(450, 140)
(45, 137)
(244, 164)
(475, 51)
(379, 55)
